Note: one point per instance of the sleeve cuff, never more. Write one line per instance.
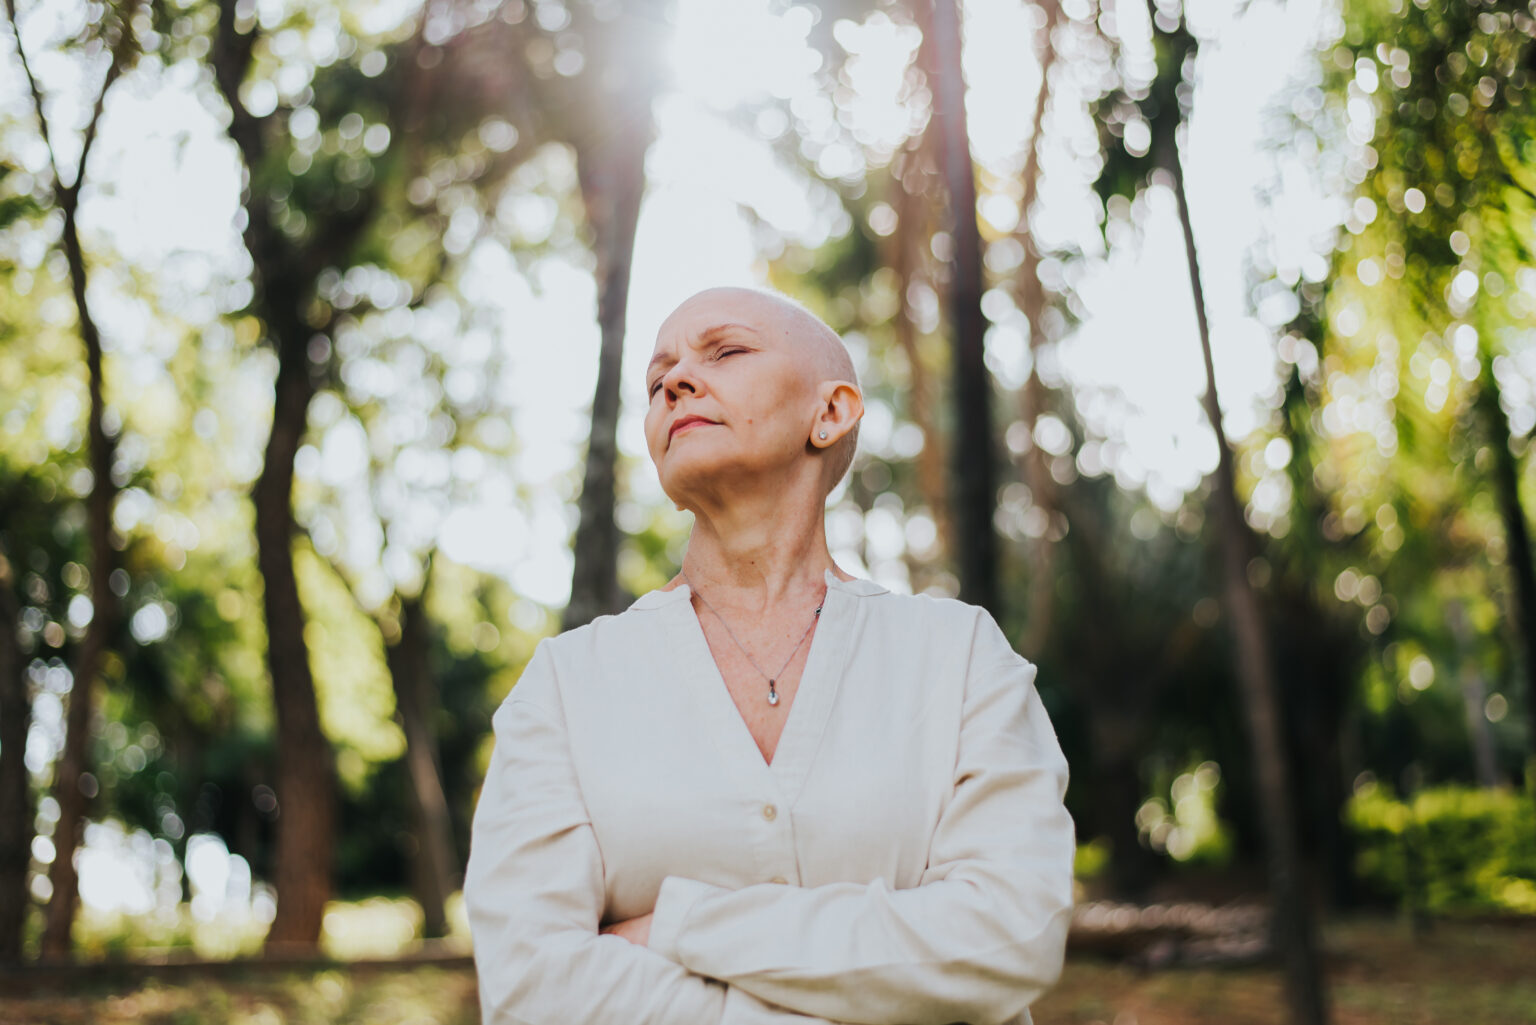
(673, 903)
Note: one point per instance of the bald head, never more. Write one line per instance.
(822, 356)
(824, 352)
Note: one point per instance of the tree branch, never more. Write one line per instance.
(121, 51)
(231, 59)
(37, 93)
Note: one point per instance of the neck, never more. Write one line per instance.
(755, 556)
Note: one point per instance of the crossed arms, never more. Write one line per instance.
(978, 939)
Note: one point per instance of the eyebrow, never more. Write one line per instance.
(710, 335)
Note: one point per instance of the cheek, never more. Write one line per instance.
(652, 426)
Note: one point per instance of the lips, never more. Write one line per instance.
(686, 421)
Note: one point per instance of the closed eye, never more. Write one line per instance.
(719, 354)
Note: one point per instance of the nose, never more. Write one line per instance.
(679, 377)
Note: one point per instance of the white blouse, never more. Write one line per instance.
(905, 859)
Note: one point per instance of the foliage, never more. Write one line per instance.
(1186, 825)
(1448, 848)
(1406, 363)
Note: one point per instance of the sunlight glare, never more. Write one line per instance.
(728, 54)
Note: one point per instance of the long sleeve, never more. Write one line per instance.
(980, 937)
(534, 896)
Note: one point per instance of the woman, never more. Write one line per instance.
(768, 792)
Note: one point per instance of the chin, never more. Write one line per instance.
(684, 473)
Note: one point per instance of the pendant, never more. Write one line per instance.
(773, 695)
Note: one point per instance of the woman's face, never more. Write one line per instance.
(732, 392)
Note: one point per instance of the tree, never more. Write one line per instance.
(610, 128)
(1128, 167)
(1439, 236)
(1031, 292)
(403, 623)
(905, 255)
(1407, 425)
(974, 487)
(284, 273)
(457, 106)
(435, 866)
(16, 813)
(1255, 669)
(389, 578)
(118, 33)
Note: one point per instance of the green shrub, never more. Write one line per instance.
(1450, 848)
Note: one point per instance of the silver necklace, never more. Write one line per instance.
(773, 694)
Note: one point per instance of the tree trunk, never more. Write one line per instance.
(1479, 734)
(1120, 687)
(974, 473)
(74, 761)
(1292, 925)
(1473, 695)
(16, 813)
(1033, 396)
(921, 405)
(1118, 746)
(612, 174)
(433, 865)
(1517, 537)
(1325, 670)
(284, 278)
(92, 652)
(1320, 681)
(306, 785)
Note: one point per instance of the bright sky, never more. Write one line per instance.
(170, 202)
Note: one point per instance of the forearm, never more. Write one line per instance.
(979, 938)
(923, 956)
(574, 979)
(570, 979)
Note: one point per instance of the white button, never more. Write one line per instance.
(770, 812)
(779, 880)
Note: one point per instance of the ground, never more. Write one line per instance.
(1461, 973)
(1378, 974)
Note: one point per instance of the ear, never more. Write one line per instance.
(841, 406)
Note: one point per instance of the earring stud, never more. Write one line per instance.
(822, 435)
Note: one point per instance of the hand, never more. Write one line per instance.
(635, 930)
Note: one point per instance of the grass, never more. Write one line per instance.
(1478, 974)
(1378, 974)
(414, 996)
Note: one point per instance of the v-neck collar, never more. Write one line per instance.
(841, 617)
